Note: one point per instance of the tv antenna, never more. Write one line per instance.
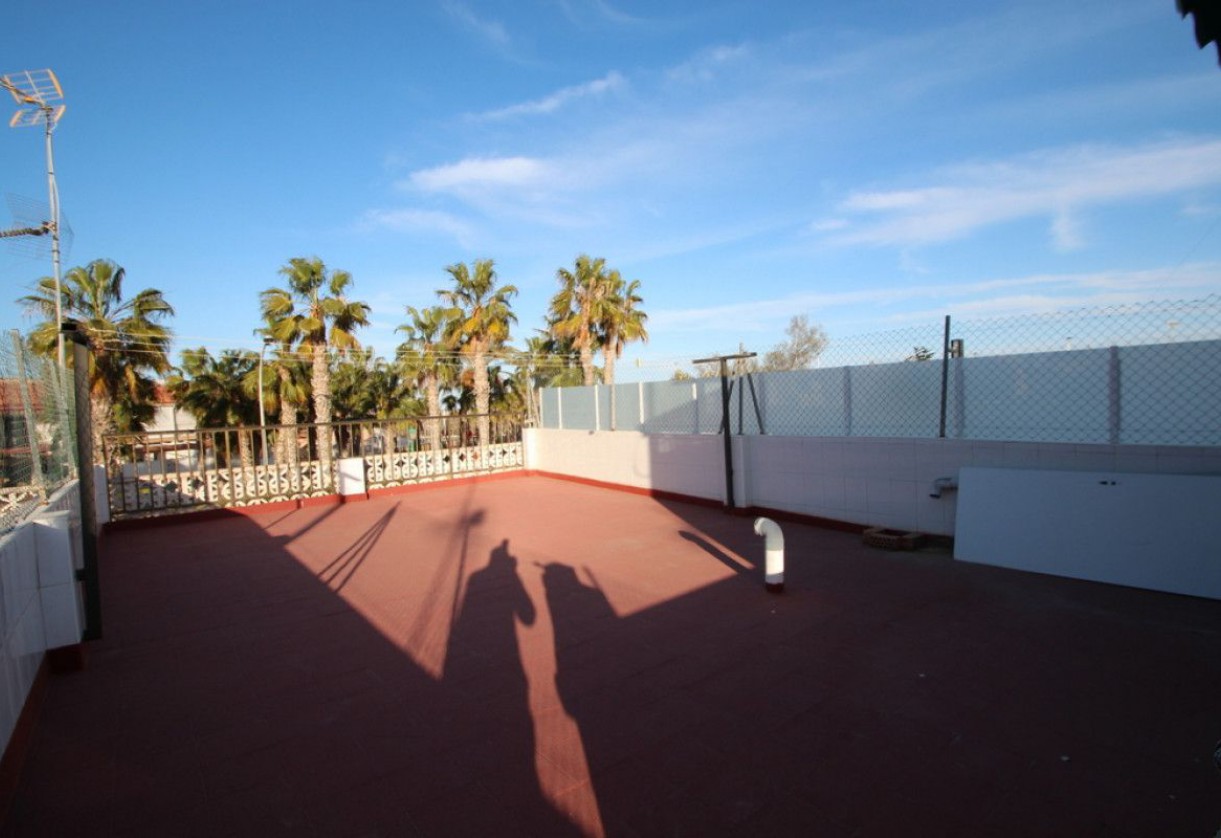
(40, 102)
(30, 233)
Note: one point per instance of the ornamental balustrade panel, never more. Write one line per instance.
(156, 473)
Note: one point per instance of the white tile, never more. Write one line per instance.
(8, 715)
(856, 494)
(60, 616)
(54, 549)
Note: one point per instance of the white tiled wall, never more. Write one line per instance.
(867, 481)
(39, 605)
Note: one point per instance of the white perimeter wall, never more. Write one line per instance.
(1155, 531)
(40, 607)
(866, 481)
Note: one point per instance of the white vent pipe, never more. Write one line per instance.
(773, 568)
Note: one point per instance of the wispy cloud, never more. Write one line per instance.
(480, 173)
(492, 31)
(418, 221)
(530, 189)
(705, 65)
(551, 103)
(992, 297)
(580, 10)
(962, 199)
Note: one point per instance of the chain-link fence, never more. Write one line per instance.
(37, 443)
(1130, 374)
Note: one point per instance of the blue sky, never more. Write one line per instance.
(868, 164)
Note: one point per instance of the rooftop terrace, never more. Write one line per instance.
(528, 656)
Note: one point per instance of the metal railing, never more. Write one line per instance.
(161, 472)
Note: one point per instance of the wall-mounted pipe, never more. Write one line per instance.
(943, 484)
(773, 567)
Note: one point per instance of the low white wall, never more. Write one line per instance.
(859, 480)
(40, 606)
(685, 464)
(1154, 531)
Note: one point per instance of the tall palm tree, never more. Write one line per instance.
(425, 358)
(479, 319)
(580, 306)
(312, 312)
(286, 393)
(622, 322)
(127, 341)
(220, 393)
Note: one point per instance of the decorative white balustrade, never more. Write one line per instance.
(166, 487)
(404, 468)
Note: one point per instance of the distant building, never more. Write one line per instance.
(14, 433)
(169, 417)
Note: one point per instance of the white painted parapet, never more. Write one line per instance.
(57, 588)
(352, 476)
(1154, 531)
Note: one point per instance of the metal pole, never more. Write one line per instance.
(262, 414)
(726, 436)
(53, 192)
(723, 362)
(88, 503)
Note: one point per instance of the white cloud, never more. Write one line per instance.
(491, 30)
(526, 189)
(1066, 232)
(553, 102)
(478, 173)
(705, 65)
(1001, 296)
(577, 12)
(418, 221)
(1050, 183)
(826, 225)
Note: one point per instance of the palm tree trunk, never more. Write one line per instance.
(102, 420)
(321, 382)
(245, 451)
(608, 355)
(432, 426)
(287, 443)
(482, 396)
(587, 361)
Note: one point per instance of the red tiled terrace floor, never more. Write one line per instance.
(534, 657)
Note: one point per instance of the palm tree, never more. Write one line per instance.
(478, 322)
(424, 357)
(286, 392)
(580, 306)
(622, 322)
(313, 312)
(220, 393)
(127, 342)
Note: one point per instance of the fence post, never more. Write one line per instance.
(1114, 394)
(847, 401)
(84, 468)
(945, 374)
